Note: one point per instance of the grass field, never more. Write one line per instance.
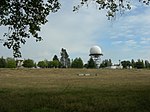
(62, 90)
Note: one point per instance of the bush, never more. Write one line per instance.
(29, 63)
(10, 63)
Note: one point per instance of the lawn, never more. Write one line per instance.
(62, 90)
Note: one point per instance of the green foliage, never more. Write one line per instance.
(50, 64)
(133, 64)
(10, 63)
(42, 64)
(77, 63)
(147, 64)
(139, 64)
(111, 6)
(24, 19)
(55, 58)
(106, 63)
(64, 60)
(54, 64)
(29, 63)
(126, 64)
(2, 62)
(91, 63)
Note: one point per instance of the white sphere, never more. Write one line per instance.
(95, 50)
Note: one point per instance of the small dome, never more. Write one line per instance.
(95, 50)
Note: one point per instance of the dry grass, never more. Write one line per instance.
(53, 78)
(62, 90)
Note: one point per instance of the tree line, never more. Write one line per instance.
(65, 62)
(30, 63)
(74, 63)
(139, 64)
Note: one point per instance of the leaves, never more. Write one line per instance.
(111, 6)
(24, 19)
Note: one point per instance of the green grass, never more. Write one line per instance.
(61, 90)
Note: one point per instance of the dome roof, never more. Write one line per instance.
(95, 50)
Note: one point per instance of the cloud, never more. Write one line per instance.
(145, 40)
(73, 31)
(132, 43)
(77, 32)
(117, 42)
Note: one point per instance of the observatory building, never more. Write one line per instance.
(96, 53)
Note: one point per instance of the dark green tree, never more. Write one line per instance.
(139, 64)
(91, 63)
(55, 58)
(109, 62)
(64, 60)
(2, 62)
(50, 64)
(106, 63)
(133, 63)
(42, 64)
(126, 64)
(56, 62)
(77, 63)
(147, 64)
(29, 63)
(102, 65)
(10, 63)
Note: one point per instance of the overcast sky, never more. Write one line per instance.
(125, 38)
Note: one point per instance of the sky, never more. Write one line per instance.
(125, 38)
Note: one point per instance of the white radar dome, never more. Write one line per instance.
(95, 50)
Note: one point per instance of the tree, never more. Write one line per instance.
(29, 63)
(111, 6)
(10, 63)
(109, 62)
(2, 62)
(91, 63)
(133, 63)
(24, 19)
(139, 64)
(106, 63)
(102, 65)
(126, 64)
(77, 63)
(55, 58)
(64, 60)
(42, 64)
(50, 64)
(147, 64)
(56, 62)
